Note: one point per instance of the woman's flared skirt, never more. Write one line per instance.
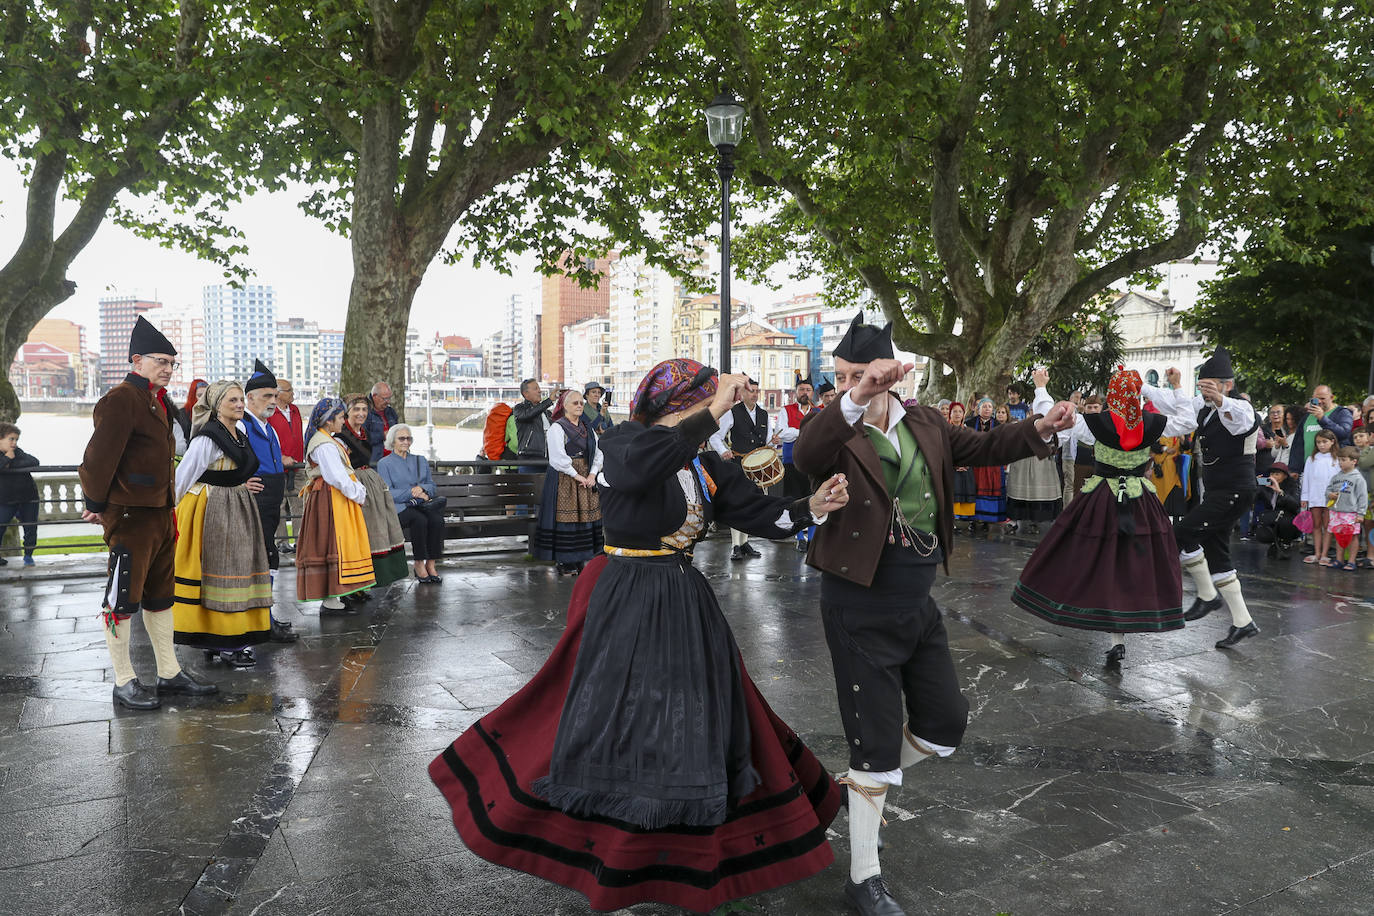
(223, 590)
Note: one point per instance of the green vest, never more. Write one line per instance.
(907, 477)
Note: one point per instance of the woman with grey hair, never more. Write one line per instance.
(418, 505)
(223, 590)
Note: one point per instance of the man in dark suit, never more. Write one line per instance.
(899, 696)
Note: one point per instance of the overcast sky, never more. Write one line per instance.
(309, 267)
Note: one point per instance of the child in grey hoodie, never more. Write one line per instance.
(1347, 498)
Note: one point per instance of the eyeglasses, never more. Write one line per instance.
(162, 363)
(404, 439)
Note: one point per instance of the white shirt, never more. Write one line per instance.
(727, 423)
(785, 431)
(1237, 416)
(336, 472)
(1079, 432)
(558, 453)
(895, 414)
(200, 454)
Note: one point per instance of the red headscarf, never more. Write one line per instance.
(1123, 403)
(558, 404)
(191, 395)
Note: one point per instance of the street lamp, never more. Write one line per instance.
(425, 359)
(724, 127)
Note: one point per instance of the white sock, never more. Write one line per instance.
(117, 639)
(1118, 639)
(162, 632)
(332, 603)
(738, 538)
(914, 749)
(1195, 565)
(866, 797)
(1229, 586)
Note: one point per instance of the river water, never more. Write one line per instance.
(61, 439)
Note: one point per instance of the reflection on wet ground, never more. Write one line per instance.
(1191, 781)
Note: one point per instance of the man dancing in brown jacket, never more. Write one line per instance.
(899, 696)
(126, 477)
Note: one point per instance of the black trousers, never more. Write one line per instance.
(269, 510)
(25, 514)
(892, 663)
(425, 525)
(1209, 524)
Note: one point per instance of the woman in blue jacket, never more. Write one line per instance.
(408, 478)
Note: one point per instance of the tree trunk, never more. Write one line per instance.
(379, 302)
(18, 322)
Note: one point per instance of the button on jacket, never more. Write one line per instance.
(850, 545)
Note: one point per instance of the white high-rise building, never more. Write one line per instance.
(298, 357)
(184, 328)
(587, 352)
(331, 361)
(640, 322)
(519, 337)
(240, 327)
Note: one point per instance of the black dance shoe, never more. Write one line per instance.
(1115, 654)
(872, 898)
(234, 658)
(1201, 609)
(736, 553)
(185, 683)
(282, 632)
(748, 550)
(1236, 634)
(134, 695)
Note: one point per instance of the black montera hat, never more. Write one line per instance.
(147, 339)
(865, 342)
(1218, 365)
(825, 387)
(262, 377)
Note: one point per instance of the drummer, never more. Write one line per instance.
(746, 427)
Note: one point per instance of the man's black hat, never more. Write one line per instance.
(865, 342)
(1218, 365)
(825, 387)
(262, 377)
(147, 339)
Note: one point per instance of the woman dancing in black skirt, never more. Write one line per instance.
(641, 763)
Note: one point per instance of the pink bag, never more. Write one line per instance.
(1303, 521)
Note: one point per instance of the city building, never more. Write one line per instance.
(464, 360)
(520, 338)
(769, 356)
(297, 357)
(331, 361)
(117, 317)
(496, 358)
(587, 352)
(1153, 339)
(693, 316)
(564, 301)
(240, 327)
(41, 370)
(70, 338)
(642, 300)
(184, 328)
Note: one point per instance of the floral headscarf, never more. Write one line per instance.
(326, 410)
(1123, 403)
(672, 386)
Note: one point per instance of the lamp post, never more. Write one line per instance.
(425, 359)
(724, 127)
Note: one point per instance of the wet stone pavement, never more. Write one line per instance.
(1194, 781)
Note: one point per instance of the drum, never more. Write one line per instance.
(763, 466)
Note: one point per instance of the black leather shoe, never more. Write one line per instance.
(1115, 654)
(872, 898)
(185, 683)
(1201, 609)
(749, 550)
(282, 632)
(1236, 634)
(438, 580)
(134, 695)
(736, 553)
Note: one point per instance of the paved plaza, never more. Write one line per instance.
(1194, 781)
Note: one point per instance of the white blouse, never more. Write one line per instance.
(200, 454)
(558, 454)
(336, 473)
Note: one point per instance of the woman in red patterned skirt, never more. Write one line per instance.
(641, 763)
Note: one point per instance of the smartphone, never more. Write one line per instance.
(1315, 403)
(1262, 481)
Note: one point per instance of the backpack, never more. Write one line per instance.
(494, 432)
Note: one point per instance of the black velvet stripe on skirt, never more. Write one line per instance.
(563, 542)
